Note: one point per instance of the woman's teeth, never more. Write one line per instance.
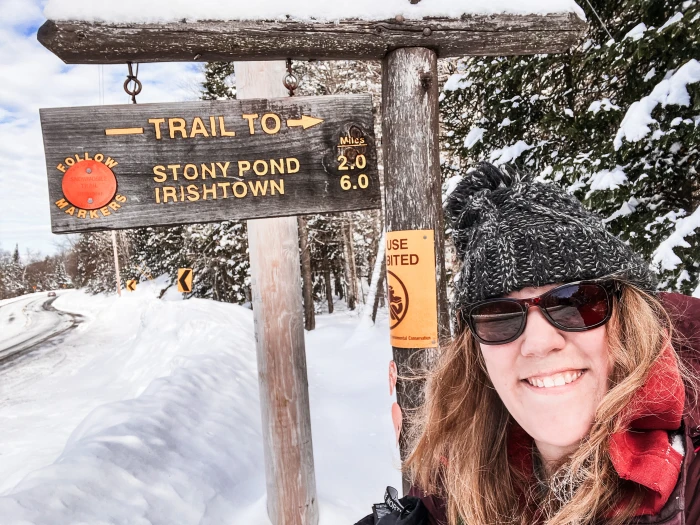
(555, 380)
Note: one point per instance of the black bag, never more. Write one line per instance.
(394, 511)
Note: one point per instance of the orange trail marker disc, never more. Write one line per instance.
(89, 185)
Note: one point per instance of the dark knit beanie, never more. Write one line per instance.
(512, 232)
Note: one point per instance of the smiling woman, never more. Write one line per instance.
(561, 400)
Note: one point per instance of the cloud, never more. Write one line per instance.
(33, 78)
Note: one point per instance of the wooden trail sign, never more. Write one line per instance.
(131, 166)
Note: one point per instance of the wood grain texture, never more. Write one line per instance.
(77, 42)
(273, 245)
(315, 188)
(413, 191)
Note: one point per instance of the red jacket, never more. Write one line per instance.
(682, 507)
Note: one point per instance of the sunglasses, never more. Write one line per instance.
(572, 307)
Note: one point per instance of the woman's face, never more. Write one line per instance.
(550, 381)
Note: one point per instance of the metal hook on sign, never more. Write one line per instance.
(290, 81)
(132, 77)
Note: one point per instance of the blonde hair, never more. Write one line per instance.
(459, 435)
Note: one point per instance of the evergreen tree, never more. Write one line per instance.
(215, 252)
(218, 255)
(59, 275)
(219, 83)
(95, 257)
(601, 121)
(12, 281)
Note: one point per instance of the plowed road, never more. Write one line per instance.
(28, 321)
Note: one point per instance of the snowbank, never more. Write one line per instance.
(148, 413)
(306, 10)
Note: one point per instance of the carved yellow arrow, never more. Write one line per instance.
(305, 121)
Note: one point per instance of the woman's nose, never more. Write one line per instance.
(540, 337)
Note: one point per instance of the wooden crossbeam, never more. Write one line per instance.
(77, 42)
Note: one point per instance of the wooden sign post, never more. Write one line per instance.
(409, 49)
(279, 334)
(412, 182)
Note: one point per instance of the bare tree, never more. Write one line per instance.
(350, 268)
(306, 276)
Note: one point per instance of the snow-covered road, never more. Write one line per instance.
(29, 320)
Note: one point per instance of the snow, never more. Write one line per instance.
(575, 187)
(607, 180)
(546, 172)
(673, 20)
(450, 186)
(148, 413)
(627, 208)
(457, 81)
(604, 104)
(474, 136)
(672, 90)
(24, 321)
(664, 256)
(636, 32)
(509, 153)
(650, 74)
(14, 319)
(306, 10)
(684, 276)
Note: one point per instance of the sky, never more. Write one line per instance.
(31, 77)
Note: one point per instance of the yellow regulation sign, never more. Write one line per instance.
(410, 264)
